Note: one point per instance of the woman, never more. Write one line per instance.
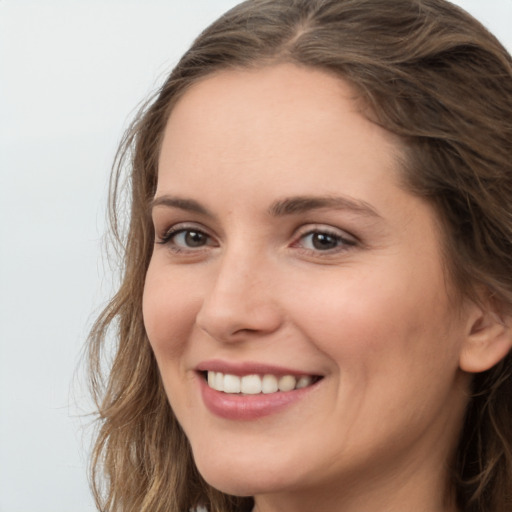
(315, 308)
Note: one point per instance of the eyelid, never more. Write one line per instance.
(315, 227)
(166, 235)
(348, 240)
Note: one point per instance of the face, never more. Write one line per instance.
(296, 300)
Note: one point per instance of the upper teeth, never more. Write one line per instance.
(255, 384)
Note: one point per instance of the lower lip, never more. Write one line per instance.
(249, 407)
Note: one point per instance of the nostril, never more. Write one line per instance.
(234, 309)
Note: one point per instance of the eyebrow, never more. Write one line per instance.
(189, 205)
(302, 204)
(283, 207)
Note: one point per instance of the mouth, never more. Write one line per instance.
(244, 391)
(255, 384)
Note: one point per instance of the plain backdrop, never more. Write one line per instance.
(72, 72)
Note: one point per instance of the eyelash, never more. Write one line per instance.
(168, 238)
(343, 242)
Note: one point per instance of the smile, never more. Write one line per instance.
(256, 384)
(251, 396)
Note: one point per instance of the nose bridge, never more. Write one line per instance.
(239, 299)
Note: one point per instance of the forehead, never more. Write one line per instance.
(293, 119)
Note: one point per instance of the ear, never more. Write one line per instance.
(488, 339)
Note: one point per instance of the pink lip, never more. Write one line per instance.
(246, 368)
(248, 407)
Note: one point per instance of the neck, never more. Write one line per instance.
(412, 489)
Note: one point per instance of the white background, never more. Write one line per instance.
(71, 74)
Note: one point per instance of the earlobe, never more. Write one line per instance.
(488, 341)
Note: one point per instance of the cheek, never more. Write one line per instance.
(393, 350)
(169, 318)
(381, 322)
(169, 313)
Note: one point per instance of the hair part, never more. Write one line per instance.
(424, 70)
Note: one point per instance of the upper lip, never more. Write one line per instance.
(241, 368)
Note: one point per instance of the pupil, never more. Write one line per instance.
(194, 239)
(322, 241)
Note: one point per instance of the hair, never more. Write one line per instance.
(427, 72)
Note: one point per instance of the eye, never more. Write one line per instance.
(325, 240)
(190, 238)
(181, 238)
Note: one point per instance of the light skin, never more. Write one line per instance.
(295, 245)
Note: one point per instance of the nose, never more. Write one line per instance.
(240, 302)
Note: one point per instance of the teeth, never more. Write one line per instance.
(251, 384)
(256, 384)
(219, 382)
(231, 384)
(287, 383)
(269, 384)
(304, 382)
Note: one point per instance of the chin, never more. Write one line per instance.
(238, 477)
(242, 485)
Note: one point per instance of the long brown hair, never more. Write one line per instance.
(427, 72)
